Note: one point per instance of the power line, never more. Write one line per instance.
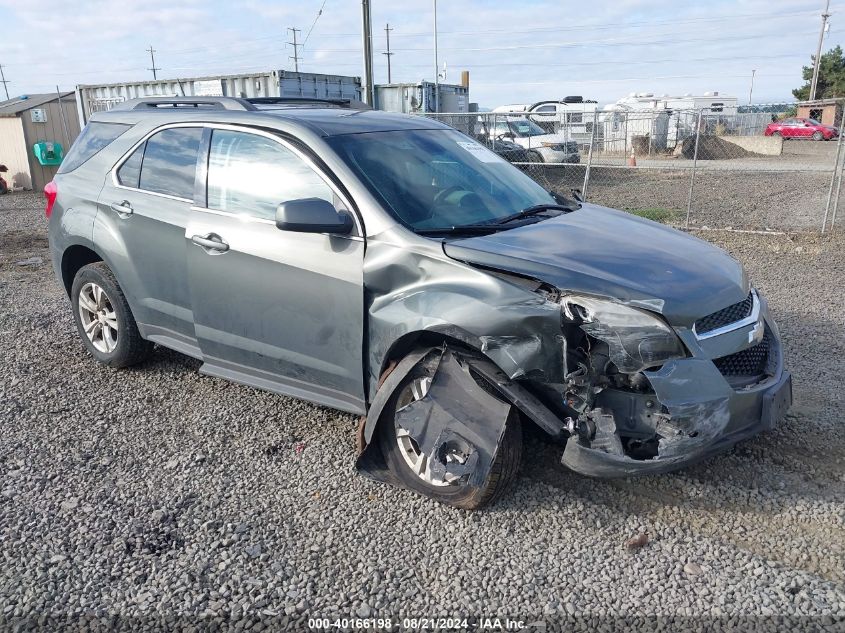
(152, 51)
(4, 81)
(387, 31)
(314, 23)
(295, 56)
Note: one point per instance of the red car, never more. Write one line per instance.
(801, 128)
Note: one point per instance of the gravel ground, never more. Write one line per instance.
(721, 198)
(156, 495)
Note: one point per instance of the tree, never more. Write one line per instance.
(831, 82)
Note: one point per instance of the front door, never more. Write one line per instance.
(278, 310)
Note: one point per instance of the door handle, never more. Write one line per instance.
(123, 208)
(212, 242)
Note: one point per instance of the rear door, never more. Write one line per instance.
(145, 206)
(275, 309)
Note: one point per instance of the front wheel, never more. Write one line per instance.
(534, 156)
(818, 136)
(104, 320)
(412, 466)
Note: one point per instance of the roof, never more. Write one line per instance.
(15, 106)
(334, 121)
(328, 120)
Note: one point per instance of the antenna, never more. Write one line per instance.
(387, 31)
(152, 51)
(295, 56)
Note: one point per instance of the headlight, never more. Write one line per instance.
(636, 338)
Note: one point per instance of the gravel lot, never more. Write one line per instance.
(156, 495)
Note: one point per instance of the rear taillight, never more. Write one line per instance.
(50, 192)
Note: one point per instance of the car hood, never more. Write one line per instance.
(538, 140)
(610, 253)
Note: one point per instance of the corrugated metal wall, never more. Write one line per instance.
(13, 153)
(50, 130)
(98, 98)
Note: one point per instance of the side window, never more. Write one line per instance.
(170, 162)
(129, 173)
(545, 108)
(252, 174)
(94, 137)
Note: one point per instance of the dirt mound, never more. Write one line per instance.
(712, 148)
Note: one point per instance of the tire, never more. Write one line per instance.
(458, 494)
(777, 134)
(114, 341)
(818, 136)
(534, 156)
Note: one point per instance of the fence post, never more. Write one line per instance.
(590, 154)
(836, 166)
(694, 164)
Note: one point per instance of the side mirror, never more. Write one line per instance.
(312, 215)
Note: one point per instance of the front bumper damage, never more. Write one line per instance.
(704, 418)
(690, 409)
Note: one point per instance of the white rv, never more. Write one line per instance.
(663, 120)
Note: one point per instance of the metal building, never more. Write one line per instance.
(30, 120)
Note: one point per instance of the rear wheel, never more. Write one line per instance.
(818, 136)
(104, 320)
(412, 466)
(534, 156)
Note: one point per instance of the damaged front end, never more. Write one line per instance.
(451, 428)
(649, 401)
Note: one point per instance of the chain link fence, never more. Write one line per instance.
(764, 167)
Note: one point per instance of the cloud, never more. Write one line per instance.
(515, 52)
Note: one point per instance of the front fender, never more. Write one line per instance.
(422, 291)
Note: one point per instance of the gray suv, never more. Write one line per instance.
(394, 268)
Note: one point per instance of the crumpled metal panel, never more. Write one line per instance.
(456, 416)
(426, 291)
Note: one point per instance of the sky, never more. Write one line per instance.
(516, 52)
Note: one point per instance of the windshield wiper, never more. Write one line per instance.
(467, 229)
(534, 210)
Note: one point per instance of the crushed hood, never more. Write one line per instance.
(610, 253)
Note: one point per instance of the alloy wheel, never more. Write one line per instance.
(416, 459)
(99, 320)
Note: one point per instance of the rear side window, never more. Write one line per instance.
(170, 161)
(94, 137)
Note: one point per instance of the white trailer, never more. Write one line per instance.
(665, 119)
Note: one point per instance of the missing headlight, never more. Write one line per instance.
(636, 339)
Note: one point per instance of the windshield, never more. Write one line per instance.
(813, 122)
(524, 127)
(438, 178)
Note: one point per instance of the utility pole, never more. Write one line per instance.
(436, 65)
(751, 90)
(152, 51)
(295, 56)
(6, 82)
(367, 33)
(817, 60)
(387, 31)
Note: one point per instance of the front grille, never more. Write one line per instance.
(725, 316)
(569, 147)
(748, 362)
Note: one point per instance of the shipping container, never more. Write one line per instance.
(419, 98)
(273, 83)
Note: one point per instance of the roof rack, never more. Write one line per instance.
(214, 103)
(353, 104)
